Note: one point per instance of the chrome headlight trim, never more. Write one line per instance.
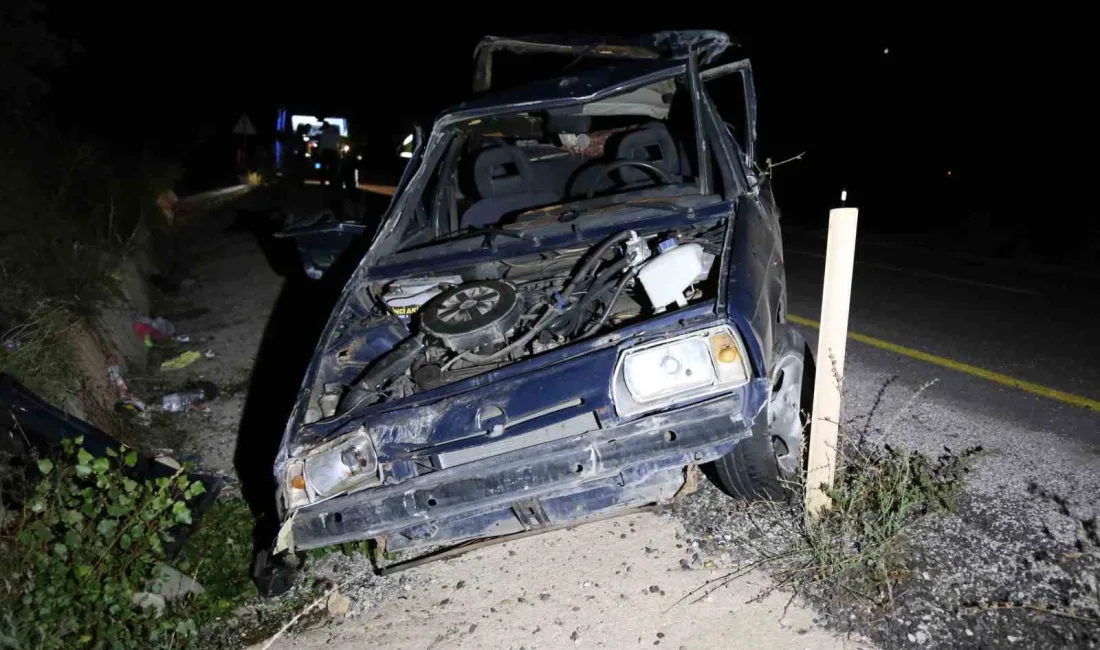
(722, 376)
(346, 464)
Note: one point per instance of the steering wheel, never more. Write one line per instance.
(649, 168)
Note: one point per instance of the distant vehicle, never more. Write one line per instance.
(297, 149)
(575, 298)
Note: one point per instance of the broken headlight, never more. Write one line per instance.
(695, 365)
(343, 465)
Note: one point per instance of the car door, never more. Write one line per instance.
(758, 286)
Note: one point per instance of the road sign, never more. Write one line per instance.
(244, 126)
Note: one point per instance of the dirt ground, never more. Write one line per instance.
(608, 584)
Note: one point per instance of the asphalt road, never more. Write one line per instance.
(1036, 325)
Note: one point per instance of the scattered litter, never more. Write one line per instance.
(209, 354)
(153, 329)
(115, 373)
(130, 405)
(171, 584)
(146, 600)
(183, 338)
(182, 361)
(167, 461)
(204, 391)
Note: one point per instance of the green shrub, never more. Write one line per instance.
(85, 538)
(218, 555)
(878, 492)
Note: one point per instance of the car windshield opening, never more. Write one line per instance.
(499, 170)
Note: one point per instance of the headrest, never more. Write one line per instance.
(652, 144)
(501, 170)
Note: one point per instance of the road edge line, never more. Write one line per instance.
(951, 364)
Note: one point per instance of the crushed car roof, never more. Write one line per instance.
(670, 45)
(667, 44)
(630, 60)
(566, 90)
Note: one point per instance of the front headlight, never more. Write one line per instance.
(690, 366)
(343, 465)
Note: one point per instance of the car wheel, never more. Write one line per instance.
(764, 465)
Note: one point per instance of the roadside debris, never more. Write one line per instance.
(208, 354)
(172, 584)
(181, 361)
(127, 402)
(153, 329)
(204, 391)
(338, 604)
(146, 600)
(31, 429)
(115, 374)
(135, 407)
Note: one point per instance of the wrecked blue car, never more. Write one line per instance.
(576, 298)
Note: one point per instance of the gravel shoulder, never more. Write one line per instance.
(608, 584)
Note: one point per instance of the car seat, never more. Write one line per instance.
(653, 144)
(505, 184)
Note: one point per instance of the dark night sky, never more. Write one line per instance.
(889, 125)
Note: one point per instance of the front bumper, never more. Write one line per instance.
(549, 484)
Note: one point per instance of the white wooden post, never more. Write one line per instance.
(835, 298)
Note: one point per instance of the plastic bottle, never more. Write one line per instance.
(204, 391)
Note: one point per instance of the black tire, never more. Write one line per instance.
(750, 471)
(274, 576)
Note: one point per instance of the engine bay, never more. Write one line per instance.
(472, 319)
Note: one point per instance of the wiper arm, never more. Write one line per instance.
(490, 231)
(661, 205)
(470, 231)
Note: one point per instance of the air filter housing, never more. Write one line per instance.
(471, 315)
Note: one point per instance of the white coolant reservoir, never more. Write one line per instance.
(667, 276)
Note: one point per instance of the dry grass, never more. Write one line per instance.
(36, 351)
(856, 547)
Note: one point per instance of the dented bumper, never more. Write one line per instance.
(560, 481)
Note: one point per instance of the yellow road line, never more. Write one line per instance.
(1004, 380)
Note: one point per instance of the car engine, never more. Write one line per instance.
(475, 319)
